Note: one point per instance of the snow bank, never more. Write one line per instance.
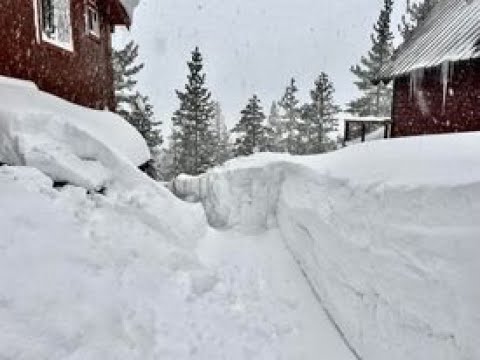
(95, 277)
(136, 275)
(68, 142)
(387, 233)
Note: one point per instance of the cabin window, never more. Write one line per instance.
(56, 25)
(92, 18)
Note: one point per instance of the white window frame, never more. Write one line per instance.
(53, 37)
(92, 18)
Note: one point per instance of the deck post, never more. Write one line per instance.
(364, 131)
(346, 137)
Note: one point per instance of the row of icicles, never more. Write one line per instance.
(446, 75)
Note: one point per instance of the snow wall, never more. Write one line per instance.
(67, 142)
(394, 262)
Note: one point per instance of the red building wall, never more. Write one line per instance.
(422, 112)
(83, 76)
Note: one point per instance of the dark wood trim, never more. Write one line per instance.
(392, 125)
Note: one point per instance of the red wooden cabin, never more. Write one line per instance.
(437, 73)
(64, 46)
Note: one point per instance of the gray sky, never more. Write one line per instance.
(251, 46)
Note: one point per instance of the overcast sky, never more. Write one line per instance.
(251, 46)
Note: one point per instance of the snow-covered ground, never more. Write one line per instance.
(134, 272)
(124, 276)
(369, 252)
(387, 233)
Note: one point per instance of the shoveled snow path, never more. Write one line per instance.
(264, 289)
(121, 276)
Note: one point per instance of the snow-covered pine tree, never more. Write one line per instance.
(305, 130)
(125, 68)
(133, 106)
(323, 115)
(289, 119)
(142, 118)
(221, 136)
(168, 158)
(251, 132)
(416, 13)
(193, 121)
(375, 99)
(274, 121)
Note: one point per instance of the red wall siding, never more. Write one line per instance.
(83, 76)
(423, 113)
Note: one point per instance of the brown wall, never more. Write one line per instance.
(83, 76)
(424, 114)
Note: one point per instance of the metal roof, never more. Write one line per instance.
(450, 33)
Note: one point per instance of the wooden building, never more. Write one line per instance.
(64, 46)
(436, 74)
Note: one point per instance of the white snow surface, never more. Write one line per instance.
(387, 233)
(68, 142)
(136, 274)
(369, 252)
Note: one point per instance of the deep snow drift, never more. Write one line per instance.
(132, 273)
(136, 274)
(68, 142)
(387, 233)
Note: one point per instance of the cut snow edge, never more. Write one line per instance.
(68, 142)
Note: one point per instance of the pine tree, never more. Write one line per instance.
(376, 99)
(252, 133)
(168, 158)
(193, 121)
(133, 106)
(306, 130)
(124, 71)
(322, 111)
(275, 123)
(290, 118)
(221, 136)
(416, 13)
(142, 118)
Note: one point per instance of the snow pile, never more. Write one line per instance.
(93, 277)
(136, 274)
(67, 142)
(387, 233)
(133, 273)
(234, 199)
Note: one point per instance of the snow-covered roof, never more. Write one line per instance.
(450, 33)
(129, 6)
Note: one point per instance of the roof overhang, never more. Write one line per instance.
(451, 33)
(118, 13)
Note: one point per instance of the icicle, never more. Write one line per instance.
(445, 77)
(416, 79)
